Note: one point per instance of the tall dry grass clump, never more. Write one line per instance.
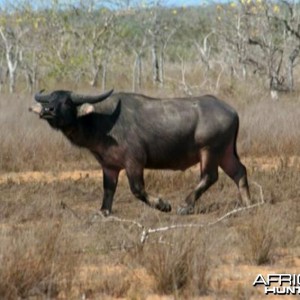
(35, 262)
(41, 244)
(180, 263)
(261, 235)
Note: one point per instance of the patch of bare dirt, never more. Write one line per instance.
(48, 177)
(266, 163)
(257, 163)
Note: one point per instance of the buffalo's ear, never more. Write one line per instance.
(85, 109)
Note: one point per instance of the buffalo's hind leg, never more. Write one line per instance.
(137, 186)
(209, 175)
(233, 167)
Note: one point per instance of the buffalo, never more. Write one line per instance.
(133, 132)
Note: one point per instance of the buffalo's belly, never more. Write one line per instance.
(172, 160)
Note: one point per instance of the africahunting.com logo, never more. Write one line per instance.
(279, 284)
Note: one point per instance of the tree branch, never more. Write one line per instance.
(147, 231)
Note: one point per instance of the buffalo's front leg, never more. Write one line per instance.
(110, 181)
(137, 186)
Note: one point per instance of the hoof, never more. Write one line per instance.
(163, 206)
(104, 212)
(185, 210)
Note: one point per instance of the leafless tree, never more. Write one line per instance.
(264, 36)
(11, 38)
(161, 32)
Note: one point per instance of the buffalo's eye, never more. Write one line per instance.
(49, 109)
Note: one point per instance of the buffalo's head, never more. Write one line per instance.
(61, 108)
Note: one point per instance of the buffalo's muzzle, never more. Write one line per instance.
(42, 111)
(47, 113)
(36, 108)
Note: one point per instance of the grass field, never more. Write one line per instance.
(54, 245)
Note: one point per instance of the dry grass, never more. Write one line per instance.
(270, 128)
(179, 263)
(47, 251)
(265, 231)
(115, 284)
(27, 143)
(35, 262)
(36, 249)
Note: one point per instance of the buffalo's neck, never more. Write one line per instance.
(76, 135)
(88, 133)
(79, 135)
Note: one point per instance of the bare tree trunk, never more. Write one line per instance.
(204, 51)
(139, 75)
(12, 80)
(155, 59)
(161, 68)
(244, 72)
(12, 67)
(104, 76)
(290, 75)
(13, 54)
(290, 68)
(29, 81)
(30, 70)
(155, 64)
(96, 71)
(137, 72)
(3, 75)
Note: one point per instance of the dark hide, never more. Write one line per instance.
(134, 132)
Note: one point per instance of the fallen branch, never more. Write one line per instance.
(262, 199)
(116, 219)
(147, 231)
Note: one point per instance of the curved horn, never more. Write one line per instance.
(41, 98)
(80, 99)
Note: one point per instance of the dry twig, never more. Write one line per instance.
(147, 231)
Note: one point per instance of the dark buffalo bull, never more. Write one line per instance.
(134, 132)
